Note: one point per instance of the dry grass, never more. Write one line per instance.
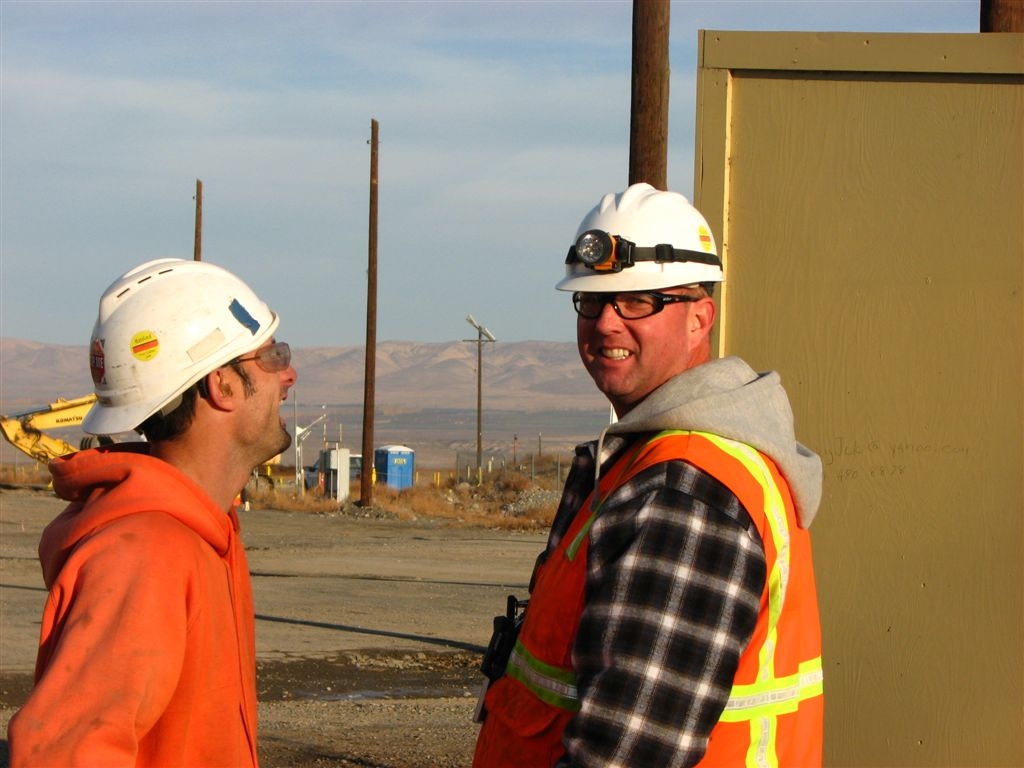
(32, 473)
(507, 499)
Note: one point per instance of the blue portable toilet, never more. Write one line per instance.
(395, 465)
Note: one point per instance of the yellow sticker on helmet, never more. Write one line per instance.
(145, 345)
(705, 238)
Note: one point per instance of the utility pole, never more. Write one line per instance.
(482, 335)
(648, 122)
(1002, 16)
(370, 370)
(197, 253)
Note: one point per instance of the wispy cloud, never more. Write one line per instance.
(501, 123)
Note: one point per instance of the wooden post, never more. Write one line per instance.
(648, 124)
(1002, 16)
(197, 252)
(366, 477)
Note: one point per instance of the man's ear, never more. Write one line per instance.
(703, 315)
(217, 390)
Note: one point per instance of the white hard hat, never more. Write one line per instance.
(641, 240)
(162, 327)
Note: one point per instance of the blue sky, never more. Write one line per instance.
(501, 124)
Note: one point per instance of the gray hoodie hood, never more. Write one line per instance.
(728, 398)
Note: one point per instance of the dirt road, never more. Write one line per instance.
(369, 631)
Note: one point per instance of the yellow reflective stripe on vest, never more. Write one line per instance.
(774, 697)
(762, 702)
(550, 684)
(775, 516)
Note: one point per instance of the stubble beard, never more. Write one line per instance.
(283, 443)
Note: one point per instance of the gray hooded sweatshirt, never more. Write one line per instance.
(728, 398)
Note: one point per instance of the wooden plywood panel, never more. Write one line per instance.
(874, 245)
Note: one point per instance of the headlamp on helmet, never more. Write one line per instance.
(597, 250)
(604, 252)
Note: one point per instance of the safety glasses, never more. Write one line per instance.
(272, 359)
(628, 306)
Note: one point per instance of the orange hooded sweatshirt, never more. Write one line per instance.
(146, 651)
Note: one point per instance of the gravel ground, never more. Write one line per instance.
(369, 631)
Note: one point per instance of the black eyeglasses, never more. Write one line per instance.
(628, 306)
(272, 359)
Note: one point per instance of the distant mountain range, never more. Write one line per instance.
(535, 393)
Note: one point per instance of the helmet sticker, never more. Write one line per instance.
(97, 362)
(211, 343)
(145, 345)
(241, 314)
(705, 238)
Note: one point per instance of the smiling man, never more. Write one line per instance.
(672, 619)
(147, 652)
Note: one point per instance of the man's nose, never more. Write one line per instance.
(608, 317)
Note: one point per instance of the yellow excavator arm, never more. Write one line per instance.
(25, 430)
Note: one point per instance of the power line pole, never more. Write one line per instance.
(482, 335)
(648, 123)
(1002, 16)
(370, 372)
(197, 252)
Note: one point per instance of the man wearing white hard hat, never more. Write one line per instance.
(147, 651)
(672, 618)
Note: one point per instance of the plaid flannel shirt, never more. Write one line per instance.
(674, 578)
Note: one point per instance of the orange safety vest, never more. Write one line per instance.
(774, 713)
